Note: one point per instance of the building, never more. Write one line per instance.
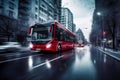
(38, 11)
(57, 9)
(25, 14)
(106, 20)
(50, 10)
(74, 28)
(46, 10)
(20, 14)
(8, 19)
(9, 8)
(80, 36)
(67, 18)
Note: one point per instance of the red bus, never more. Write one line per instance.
(51, 36)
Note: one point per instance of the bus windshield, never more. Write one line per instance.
(41, 33)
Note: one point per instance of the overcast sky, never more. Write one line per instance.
(82, 12)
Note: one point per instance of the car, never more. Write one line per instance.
(9, 46)
(81, 45)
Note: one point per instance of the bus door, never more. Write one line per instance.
(60, 37)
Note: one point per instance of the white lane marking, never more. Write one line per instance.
(45, 62)
(110, 54)
(18, 58)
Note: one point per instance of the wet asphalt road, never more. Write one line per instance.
(87, 63)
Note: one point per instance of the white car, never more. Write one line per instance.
(9, 46)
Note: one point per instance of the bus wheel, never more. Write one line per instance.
(59, 48)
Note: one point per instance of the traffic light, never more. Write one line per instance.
(104, 33)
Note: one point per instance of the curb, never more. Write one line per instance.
(109, 54)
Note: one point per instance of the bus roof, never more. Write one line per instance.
(56, 23)
(63, 27)
(48, 22)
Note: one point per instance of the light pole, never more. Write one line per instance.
(99, 13)
(97, 40)
(103, 32)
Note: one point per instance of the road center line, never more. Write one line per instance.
(18, 58)
(48, 61)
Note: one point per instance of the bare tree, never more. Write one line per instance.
(6, 27)
(112, 29)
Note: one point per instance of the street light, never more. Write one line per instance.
(97, 41)
(99, 13)
(104, 33)
(102, 24)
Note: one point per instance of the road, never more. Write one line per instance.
(81, 63)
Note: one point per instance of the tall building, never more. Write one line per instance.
(57, 10)
(67, 18)
(74, 28)
(24, 13)
(9, 8)
(35, 11)
(20, 14)
(8, 19)
(29, 13)
(46, 10)
(50, 10)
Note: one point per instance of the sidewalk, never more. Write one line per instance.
(111, 52)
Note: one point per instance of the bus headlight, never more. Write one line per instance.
(31, 45)
(48, 46)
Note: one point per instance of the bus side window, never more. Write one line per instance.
(64, 36)
(52, 30)
(61, 35)
(58, 33)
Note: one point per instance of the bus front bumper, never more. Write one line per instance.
(47, 48)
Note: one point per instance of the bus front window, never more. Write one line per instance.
(41, 34)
